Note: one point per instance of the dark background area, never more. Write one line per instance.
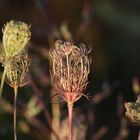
(112, 29)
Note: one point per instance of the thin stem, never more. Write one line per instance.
(70, 107)
(15, 111)
(68, 69)
(2, 81)
(81, 72)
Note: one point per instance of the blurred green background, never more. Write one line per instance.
(112, 29)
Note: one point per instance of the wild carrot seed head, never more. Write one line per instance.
(16, 34)
(133, 111)
(70, 69)
(16, 69)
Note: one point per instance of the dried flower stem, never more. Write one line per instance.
(70, 69)
(70, 108)
(15, 111)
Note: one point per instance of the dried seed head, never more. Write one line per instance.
(16, 34)
(70, 69)
(133, 111)
(16, 69)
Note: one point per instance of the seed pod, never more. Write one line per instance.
(16, 69)
(133, 111)
(16, 35)
(70, 69)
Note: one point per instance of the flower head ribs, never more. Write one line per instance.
(70, 69)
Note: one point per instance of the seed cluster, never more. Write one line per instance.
(16, 67)
(14, 57)
(70, 69)
(16, 35)
(133, 111)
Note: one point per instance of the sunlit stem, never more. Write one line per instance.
(2, 81)
(15, 111)
(70, 109)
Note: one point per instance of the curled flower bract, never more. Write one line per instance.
(16, 34)
(70, 69)
(16, 69)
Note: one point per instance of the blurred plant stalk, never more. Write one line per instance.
(55, 120)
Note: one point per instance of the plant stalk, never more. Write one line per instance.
(2, 81)
(70, 109)
(15, 111)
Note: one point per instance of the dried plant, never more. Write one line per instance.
(15, 60)
(133, 111)
(16, 35)
(17, 68)
(70, 69)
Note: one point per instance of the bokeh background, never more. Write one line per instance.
(112, 29)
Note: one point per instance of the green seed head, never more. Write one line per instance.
(16, 35)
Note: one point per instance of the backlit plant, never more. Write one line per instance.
(133, 111)
(16, 35)
(15, 61)
(70, 69)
